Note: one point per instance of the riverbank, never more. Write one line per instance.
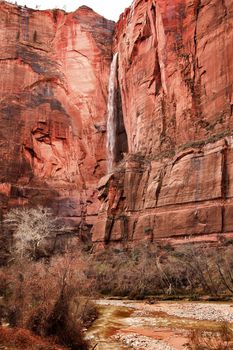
(167, 325)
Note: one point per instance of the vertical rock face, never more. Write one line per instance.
(54, 70)
(175, 74)
(175, 71)
(174, 143)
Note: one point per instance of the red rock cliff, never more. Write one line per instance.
(175, 75)
(54, 70)
(175, 104)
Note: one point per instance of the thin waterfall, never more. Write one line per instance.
(112, 114)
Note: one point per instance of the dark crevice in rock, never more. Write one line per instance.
(159, 187)
(224, 173)
(34, 47)
(195, 83)
(223, 219)
(121, 136)
(108, 229)
(224, 8)
(9, 59)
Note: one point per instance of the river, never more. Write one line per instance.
(127, 325)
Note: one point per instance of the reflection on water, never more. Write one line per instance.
(110, 320)
(162, 326)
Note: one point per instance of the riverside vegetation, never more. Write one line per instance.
(46, 300)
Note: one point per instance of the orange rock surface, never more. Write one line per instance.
(175, 72)
(174, 99)
(54, 70)
(176, 79)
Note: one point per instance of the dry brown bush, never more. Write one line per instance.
(218, 340)
(49, 298)
(22, 339)
(190, 270)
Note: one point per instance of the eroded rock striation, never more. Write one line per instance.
(173, 177)
(54, 70)
(175, 75)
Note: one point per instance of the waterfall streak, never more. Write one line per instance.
(112, 114)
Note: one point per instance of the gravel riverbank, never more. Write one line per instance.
(194, 310)
(137, 325)
(136, 341)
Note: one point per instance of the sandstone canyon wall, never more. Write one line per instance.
(173, 177)
(54, 70)
(175, 75)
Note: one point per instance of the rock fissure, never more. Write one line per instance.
(172, 176)
(44, 96)
(187, 191)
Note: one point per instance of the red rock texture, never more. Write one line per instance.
(54, 70)
(176, 79)
(175, 72)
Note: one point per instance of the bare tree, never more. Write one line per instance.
(31, 226)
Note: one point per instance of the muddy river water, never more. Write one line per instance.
(127, 325)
